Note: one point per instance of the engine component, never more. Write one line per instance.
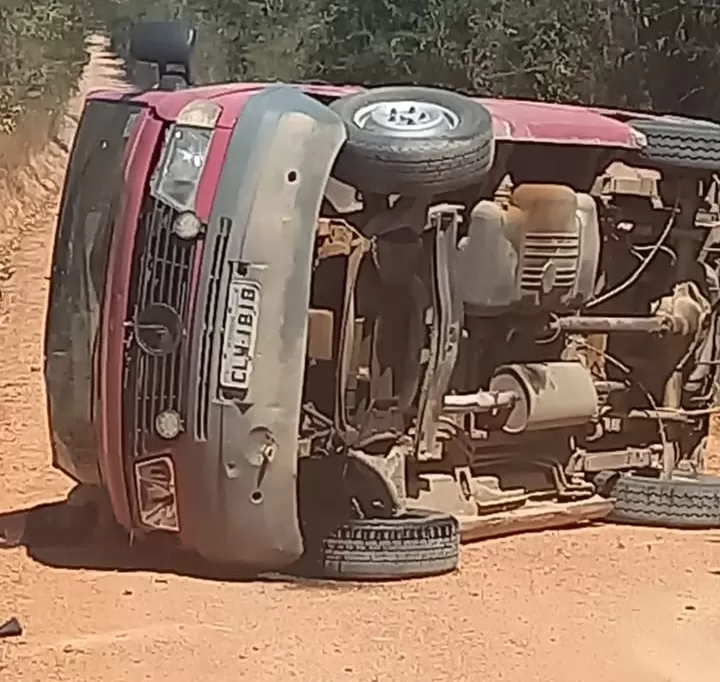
(466, 495)
(686, 306)
(549, 395)
(551, 240)
(615, 460)
(478, 403)
(656, 324)
(542, 248)
(321, 324)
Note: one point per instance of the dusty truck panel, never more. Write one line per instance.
(87, 216)
(559, 124)
(239, 474)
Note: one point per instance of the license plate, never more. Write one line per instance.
(241, 321)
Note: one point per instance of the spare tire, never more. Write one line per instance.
(683, 501)
(681, 142)
(413, 141)
(415, 544)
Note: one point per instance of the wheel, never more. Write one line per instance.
(416, 544)
(681, 142)
(413, 141)
(683, 501)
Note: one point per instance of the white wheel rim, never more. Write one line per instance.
(406, 118)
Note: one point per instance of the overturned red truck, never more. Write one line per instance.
(309, 325)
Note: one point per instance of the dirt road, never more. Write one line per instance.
(602, 604)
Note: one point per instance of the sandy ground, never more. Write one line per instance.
(601, 604)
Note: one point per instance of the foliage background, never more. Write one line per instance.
(662, 54)
(41, 54)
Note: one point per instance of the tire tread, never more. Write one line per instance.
(673, 503)
(686, 144)
(418, 545)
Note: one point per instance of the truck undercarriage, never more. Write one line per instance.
(524, 349)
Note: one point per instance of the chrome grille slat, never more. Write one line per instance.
(210, 312)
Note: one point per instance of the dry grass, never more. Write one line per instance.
(28, 180)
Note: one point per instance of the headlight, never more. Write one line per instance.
(168, 424)
(187, 225)
(182, 166)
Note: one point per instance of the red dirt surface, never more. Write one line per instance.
(601, 604)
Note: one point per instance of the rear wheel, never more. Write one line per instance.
(413, 141)
(683, 501)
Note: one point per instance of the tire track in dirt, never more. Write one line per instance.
(27, 224)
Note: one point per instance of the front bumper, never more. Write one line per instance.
(236, 467)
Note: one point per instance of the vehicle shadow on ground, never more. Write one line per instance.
(61, 536)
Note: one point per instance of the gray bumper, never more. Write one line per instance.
(237, 472)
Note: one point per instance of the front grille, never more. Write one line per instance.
(218, 249)
(156, 336)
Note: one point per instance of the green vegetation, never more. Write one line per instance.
(41, 54)
(630, 53)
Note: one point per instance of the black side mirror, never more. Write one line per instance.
(167, 44)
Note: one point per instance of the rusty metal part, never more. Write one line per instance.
(606, 387)
(346, 344)
(668, 414)
(686, 304)
(551, 395)
(621, 180)
(537, 247)
(390, 469)
(589, 350)
(533, 516)
(465, 494)
(336, 237)
(656, 324)
(689, 306)
(615, 460)
(445, 325)
(567, 486)
(487, 492)
(479, 403)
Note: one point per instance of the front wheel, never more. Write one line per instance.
(415, 544)
(413, 141)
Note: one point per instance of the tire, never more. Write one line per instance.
(679, 502)
(375, 160)
(681, 142)
(417, 544)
